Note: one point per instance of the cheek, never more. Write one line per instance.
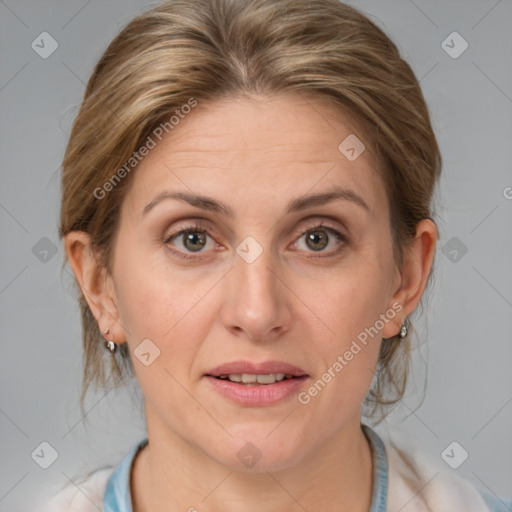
(171, 314)
(168, 308)
(348, 301)
(347, 311)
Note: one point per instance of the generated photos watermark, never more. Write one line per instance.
(137, 156)
(304, 397)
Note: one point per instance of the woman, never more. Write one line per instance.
(246, 208)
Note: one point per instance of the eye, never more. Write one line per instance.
(317, 238)
(194, 238)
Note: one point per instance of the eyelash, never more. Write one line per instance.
(200, 227)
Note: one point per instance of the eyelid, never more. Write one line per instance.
(190, 225)
(313, 221)
(320, 221)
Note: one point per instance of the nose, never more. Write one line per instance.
(257, 304)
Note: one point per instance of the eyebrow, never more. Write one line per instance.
(295, 205)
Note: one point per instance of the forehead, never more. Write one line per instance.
(265, 147)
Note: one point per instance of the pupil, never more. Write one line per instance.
(193, 237)
(317, 239)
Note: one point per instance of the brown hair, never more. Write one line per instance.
(207, 49)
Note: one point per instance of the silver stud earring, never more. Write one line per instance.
(404, 329)
(110, 344)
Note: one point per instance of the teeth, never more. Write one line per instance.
(265, 379)
(249, 378)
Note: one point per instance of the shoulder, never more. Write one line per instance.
(85, 496)
(495, 503)
(418, 481)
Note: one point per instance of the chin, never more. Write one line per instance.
(255, 450)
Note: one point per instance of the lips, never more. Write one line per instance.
(256, 384)
(258, 369)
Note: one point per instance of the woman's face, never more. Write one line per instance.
(255, 283)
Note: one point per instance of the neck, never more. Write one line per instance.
(170, 474)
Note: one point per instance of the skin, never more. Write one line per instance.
(291, 304)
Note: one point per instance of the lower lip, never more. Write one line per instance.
(257, 395)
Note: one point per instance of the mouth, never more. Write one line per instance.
(246, 372)
(251, 379)
(252, 384)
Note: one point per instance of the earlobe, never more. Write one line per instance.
(93, 280)
(418, 260)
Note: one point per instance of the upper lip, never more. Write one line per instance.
(264, 368)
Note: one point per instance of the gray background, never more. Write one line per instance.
(467, 324)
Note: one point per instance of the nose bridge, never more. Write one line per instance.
(257, 304)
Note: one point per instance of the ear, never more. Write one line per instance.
(97, 286)
(411, 281)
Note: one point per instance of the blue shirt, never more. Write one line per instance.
(117, 496)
